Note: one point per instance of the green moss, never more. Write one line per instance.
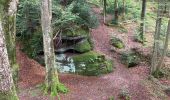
(86, 57)
(92, 64)
(83, 47)
(116, 42)
(76, 32)
(130, 59)
(15, 72)
(6, 96)
(54, 88)
(11, 95)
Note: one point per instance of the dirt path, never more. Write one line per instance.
(92, 88)
(31, 73)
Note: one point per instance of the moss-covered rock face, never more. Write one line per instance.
(10, 95)
(76, 32)
(83, 46)
(116, 42)
(130, 59)
(92, 64)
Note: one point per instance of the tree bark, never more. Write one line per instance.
(165, 47)
(142, 25)
(10, 35)
(124, 8)
(156, 46)
(51, 80)
(116, 16)
(104, 10)
(7, 88)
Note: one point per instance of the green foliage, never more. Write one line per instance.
(123, 30)
(132, 8)
(116, 42)
(54, 88)
(130, 59)
(83, 47)
(111, 98)
(138, 36)
(87, 17)
(69, 19)
(29, 28)
(64, 18)
(75, 13)
(28, 17)
(159, 73)
(34, 45)
(92, 64)
(9, 95)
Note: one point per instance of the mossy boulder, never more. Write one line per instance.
(92, 64)
(76, 32)
(116, 42)
(130, 59)
(83, 46)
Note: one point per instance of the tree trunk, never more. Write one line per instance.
(104, 10)
(142, 25)
(165, 47)
(124, 8)
(52, 83)
(116, 16)
(7, 88)
(10, 35)
(156, 46)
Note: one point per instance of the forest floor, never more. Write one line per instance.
(94, 88)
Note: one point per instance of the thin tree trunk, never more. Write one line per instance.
(142, 25)
(124, 8)
(7, 88)
(104, 10)
(156, 46)
(116, 16)
(165, 47)
(51, 80)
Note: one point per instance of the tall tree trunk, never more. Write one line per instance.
(46, 17)
(10, 35)
(104, 10)
(7, 88)
(51, 81)
(165, 47)
(124, 8)
(116, 16)
(156, 46)
(142, 25)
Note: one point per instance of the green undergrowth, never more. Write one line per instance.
(130, 58)
(55, 88)
(132, 9)
(10, 95)
(163, 72)
(116, 42)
